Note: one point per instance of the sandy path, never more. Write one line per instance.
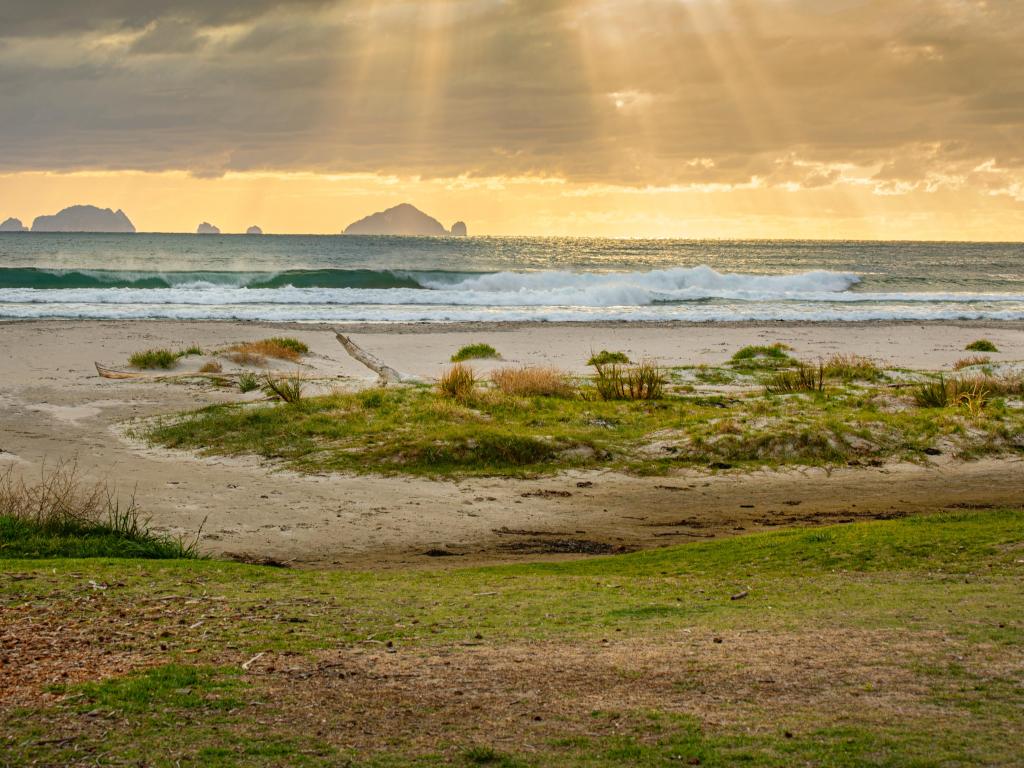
(53, 406)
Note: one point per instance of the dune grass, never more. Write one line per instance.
(256, 352)
(604, 357)
(478, 351)
(888, 643)
(154, 358)
(534, 381)
(981, 345)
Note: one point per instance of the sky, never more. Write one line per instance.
(875, 119)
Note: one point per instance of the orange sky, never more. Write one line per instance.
(889, 119)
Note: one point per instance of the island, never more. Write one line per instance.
(254, 230)
(84, 218)
(459, 229)
(404, 219)
(206, 228)
(12, 225)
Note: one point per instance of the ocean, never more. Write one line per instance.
(399, 279)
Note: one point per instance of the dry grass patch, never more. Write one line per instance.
(534, 382)
(969, 362)
(212, 367)
(852, 367)
(279, 348)
(458, 382)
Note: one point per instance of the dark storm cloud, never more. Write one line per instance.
(651, 92)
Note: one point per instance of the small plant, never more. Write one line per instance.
(211, 367)
(804, 378)
(287, 389)
(852, 367)
(932, 394)
(193, 351)
(373, 398)
(280, 348)
(604, 357)
(475, 352)
(981, 345)
(247, 358)
(761, 356)
(154, 358)
(970, 362)
(645, 381)
(287, 342)
(248, 382)
(972, 397)
(457, 382)
(534, 382)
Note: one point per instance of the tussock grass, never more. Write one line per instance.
(970, 362)
(534, 382)
(211, 367)
(193, 351)
(248, 381)
(645, 381)
(604, 357)
(256, 352)
(762, 356)
(458, 382)
(475, 352)
(804, 378)
(933, 394)
(288, 389)
(61, 515)
(154, 358)
(981, 345)
(852, 368)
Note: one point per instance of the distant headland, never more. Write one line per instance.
(403, 219)
(12, 225)
(84, 218)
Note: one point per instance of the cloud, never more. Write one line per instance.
(913, 94)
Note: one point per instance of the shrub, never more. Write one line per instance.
(968, 362)
(981, 345)
(645, 381)
(287, 389)
(248, 381)
(475, 352)
(531, 382)
(211, 367)
(852, 367)
(63, 516)
(604, 357)
(154, 358)
(457, 382)
(805, 378)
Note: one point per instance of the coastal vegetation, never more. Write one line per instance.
(604, 357)
(637, 418)
(981, 345)
(475, 352)
(155, 358)
(889, 643)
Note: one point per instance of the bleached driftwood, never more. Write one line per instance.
(386, 373)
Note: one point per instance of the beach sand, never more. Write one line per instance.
(54, 407)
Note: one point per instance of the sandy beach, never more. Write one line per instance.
(54, 407)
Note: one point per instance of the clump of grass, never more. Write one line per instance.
(804, 378)
(933, 394)
(852, 368)
(61, 515)
(475, 352)
(193, 351)
(981, 345)
(458, 382)
(645, 381)
(248, 382)
(534, 382)
(994, 385)
(211, 367)
(970, 362)
(287, 389)
(280, 348)
(762, 356)
(154, 358)
(709, 375)
(604, 357)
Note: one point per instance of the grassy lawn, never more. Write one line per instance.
(888, 643)
(419, 431)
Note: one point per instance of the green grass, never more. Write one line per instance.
(604, 357)
(762, 356)
(981, 345)
(939, 597)
(475, 352)
(290, 343)
(485, 432)
(154, 358)
(21, 538)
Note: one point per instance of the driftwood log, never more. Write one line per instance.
(386, 373)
